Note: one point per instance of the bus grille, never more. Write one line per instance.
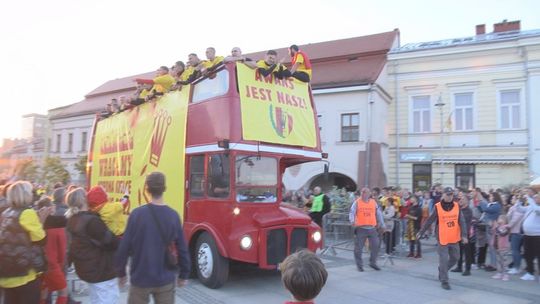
(277, 241)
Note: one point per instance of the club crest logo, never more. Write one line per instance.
(282, 122)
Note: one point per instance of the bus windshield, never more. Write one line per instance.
(256, 179)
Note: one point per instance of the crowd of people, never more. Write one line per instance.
(474, 229)
(42, 235)
(181, 74)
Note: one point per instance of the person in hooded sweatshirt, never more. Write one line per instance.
(450, 229)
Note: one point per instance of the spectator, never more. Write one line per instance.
(491, 211)
(115, 107)
(366, 218)
(500, 243)
(531, 237)
(466, 250)
(304, 276)
(58, 200)
(54, 278)
(21, 254)
(92, 249)
(149, 273)
(320, 206)
(389, 213)
(515, 221)
(449, 229)
(414, 220)
(111, 213)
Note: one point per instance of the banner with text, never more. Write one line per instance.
(131, 144)
(274, 110)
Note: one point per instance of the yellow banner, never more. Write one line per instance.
(130, 145)
(274, 110)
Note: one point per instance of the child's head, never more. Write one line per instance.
(96, 197)
(303, 274)
(502, 220)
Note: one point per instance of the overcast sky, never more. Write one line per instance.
(54, 52)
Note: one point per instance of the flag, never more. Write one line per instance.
(449, 122)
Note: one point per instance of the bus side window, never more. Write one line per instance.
(196, 176)
(218, 175)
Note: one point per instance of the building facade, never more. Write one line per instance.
(463, 111)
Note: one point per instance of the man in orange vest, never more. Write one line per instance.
(450, 228)
(301, 65)
(366, 217)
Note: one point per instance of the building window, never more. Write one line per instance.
(510, 109)
(463, 109)
(349, 127)
(58, 142)
(84, 139)
(70, 142)
(465, 176)
(421, 114)
(421, 177)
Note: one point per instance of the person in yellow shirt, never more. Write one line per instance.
(212, 61)
(162, 83)
(192, 71)
(268, 66)
(21, 254)
(111, 213)
(301, 65)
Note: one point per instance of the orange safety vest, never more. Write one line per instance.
(449, 230)
(307, 62)
(366, 213)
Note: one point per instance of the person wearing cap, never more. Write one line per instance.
(111, 213)
(151, 230)
(366, 217)
(450, 229)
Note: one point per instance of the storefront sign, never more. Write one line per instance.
(416, 157)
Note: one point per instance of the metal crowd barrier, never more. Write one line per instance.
(338, 233)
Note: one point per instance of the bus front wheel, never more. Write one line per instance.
(212, 268)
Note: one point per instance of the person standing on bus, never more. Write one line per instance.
(366, 217)
(162, 83)
(450, 228)
(212, 61)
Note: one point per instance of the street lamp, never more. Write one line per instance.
(440, 105)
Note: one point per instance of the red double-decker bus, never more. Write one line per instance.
(224, 143)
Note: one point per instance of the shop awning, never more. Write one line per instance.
(482, 161)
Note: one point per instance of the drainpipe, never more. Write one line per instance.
(396, 98)
(368, 140)
(523, 54)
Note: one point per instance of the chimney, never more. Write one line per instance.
(506, 26)
(480, 29)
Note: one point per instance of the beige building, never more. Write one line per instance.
(463, 110)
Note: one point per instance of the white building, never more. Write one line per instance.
(464, 110)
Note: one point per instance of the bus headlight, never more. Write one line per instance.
(246, 242)
(316, 236)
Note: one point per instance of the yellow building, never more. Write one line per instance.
(465, 111)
